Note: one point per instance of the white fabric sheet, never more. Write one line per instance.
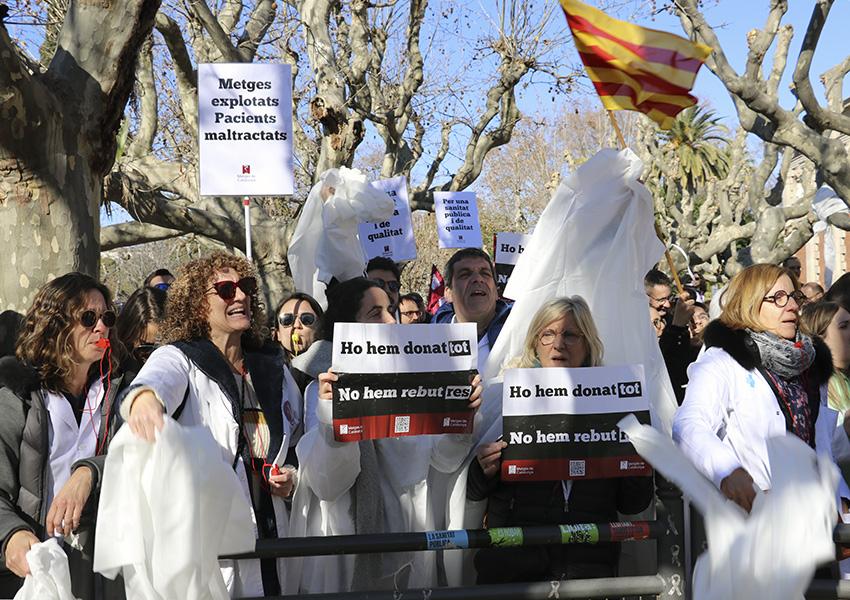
(325, 243)
(596, 238)
(773, 552)
(167, 511)
(50, 577)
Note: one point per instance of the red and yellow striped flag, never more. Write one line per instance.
(634, 68)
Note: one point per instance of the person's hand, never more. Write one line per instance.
(738, 487)
(326, 381)
(146, 416)
(66, 508)
(490, 457)
(477, 390)
(684, 310)
(283, 484)
(16, 551)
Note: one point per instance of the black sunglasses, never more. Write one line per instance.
(288, 319)
(142, 352)
(90, 318)
(392, 286)
(226, 290)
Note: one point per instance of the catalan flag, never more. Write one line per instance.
(635, 68)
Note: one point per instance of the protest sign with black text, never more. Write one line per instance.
(245, 129)
(562, 423)
(398, 380)
(392, 238)
(507, 247)
(457, 220)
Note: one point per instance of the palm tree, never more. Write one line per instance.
(696, 148)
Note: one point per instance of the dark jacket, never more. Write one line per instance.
(24, 431)
(678, 353)
(494, 328)
(542, 503)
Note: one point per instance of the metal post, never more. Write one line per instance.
(671, 545)
(246, 203)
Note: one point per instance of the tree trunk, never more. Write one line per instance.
(58, 139)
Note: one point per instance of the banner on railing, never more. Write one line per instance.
(399, 380)
(562, 423)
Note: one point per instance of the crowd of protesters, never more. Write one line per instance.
(197, 348)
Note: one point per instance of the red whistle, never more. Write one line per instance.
(275, 470)
(102, 343)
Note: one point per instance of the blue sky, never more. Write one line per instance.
(732, 19)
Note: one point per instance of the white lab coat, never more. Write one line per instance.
(167, 373)
(322, 503)
(728, 416)
(325, 243)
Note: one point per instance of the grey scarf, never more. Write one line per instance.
(786, 358)
(368, 512)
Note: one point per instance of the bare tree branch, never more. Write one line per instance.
(213, 28)
(133, 233)
(142, 144)
(255, 29)
(184, 72)
(816, 116)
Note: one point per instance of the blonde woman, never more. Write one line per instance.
(561, 335)
(759, 377)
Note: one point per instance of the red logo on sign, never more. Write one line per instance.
(246, 169)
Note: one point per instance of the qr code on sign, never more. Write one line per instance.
(576, 468)
(402, 425)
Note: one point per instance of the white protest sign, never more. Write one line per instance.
(562, 423)
(457, 220)
(245, 129)
(507, 247)
(399, 380)
(392, 238)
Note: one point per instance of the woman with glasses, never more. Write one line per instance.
(759, 377)
(138, 324)
(296, 323)
(57, 401)
(561, 335)
(215, 371)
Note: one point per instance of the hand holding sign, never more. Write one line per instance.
(490, 457)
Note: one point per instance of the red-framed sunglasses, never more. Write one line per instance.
(226, 290)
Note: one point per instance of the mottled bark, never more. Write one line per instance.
(58, 139)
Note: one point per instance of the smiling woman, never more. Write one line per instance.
(215, 371)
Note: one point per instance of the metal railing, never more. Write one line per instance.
(668, 531)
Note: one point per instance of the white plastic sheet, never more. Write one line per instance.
(773, 552)
(167, 511)
(325, 243)
(596, 238)
(49, 578)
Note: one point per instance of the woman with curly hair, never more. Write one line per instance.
(214, 371)
(57, 401)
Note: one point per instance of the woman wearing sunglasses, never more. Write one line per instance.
(215, 371)
(296, 323)
(138, 324)
(57, 401)
(760, 377)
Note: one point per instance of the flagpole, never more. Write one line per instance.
(616, 126)
(667, 254)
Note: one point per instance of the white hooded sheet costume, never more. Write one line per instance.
(325, 244)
